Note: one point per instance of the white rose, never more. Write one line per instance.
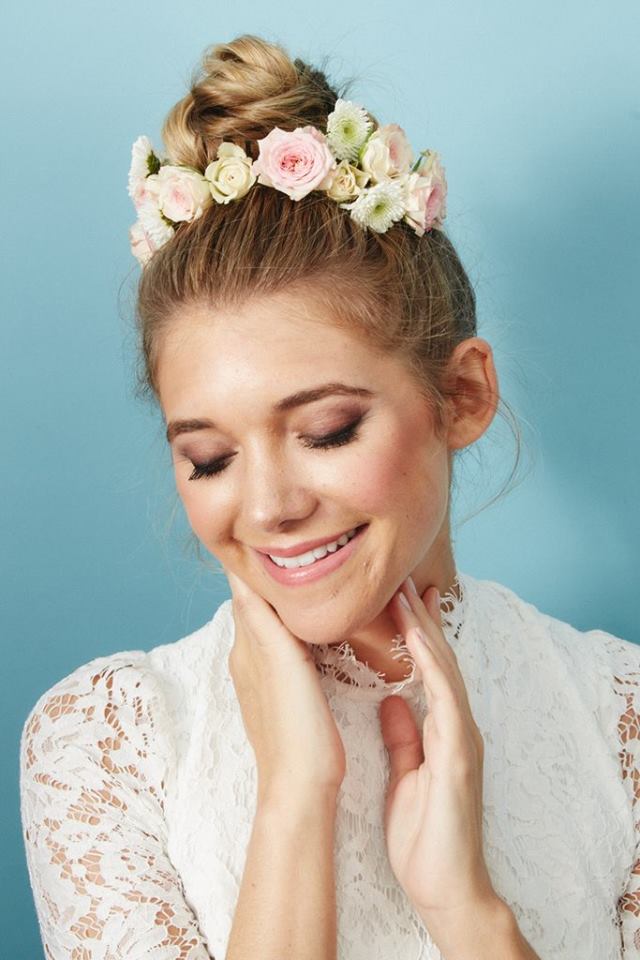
(231, 175)
(387, 153)
(183, 193)
(347, 182)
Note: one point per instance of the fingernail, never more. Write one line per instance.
(412, 584)
(404, 601)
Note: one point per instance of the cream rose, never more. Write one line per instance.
(347, 182)
(183, 193)
(387, 153)
(231, 175)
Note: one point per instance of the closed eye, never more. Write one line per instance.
(337, 439)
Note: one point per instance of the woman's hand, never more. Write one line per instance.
(433, 809)
(286, 715)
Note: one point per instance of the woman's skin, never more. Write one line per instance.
(232, 368)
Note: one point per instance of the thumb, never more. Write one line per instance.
(237, 585)
(401, 738)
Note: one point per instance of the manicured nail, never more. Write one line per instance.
(420, 635)
(404, 601)
(412, 584)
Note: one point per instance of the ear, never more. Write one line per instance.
(473, 389)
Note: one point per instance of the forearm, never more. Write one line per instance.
(490, 933)
(287, 906)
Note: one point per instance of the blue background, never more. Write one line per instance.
(535, 110)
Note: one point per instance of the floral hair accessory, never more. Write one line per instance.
(369, 171)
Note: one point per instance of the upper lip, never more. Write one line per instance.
(302, 547)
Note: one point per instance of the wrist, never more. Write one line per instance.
(291, 803)
(477, 932)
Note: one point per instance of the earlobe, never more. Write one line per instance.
(473, 391)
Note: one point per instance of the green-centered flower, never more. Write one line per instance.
(379, 206)
(348, 127)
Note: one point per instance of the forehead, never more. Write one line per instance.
(261, 350)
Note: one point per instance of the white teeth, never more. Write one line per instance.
(304, 559)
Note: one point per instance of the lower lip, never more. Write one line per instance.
(313, 571)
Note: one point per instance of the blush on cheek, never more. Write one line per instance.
(381, 479)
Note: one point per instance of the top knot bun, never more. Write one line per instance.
(242, 90)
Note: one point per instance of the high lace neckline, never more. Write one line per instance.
(340, 667)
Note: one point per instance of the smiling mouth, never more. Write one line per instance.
(309, 557)
(314, 567)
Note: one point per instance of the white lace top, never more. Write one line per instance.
(138, 792)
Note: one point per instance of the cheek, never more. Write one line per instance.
(204, 509)
(401, 474)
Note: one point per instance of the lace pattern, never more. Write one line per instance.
(138, 791)
(626, 681)
(93, 764)
(339, 662)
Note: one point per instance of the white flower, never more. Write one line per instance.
(184, 193)
(140, 246)
(144, 191)
(348, 181)
(379, 206)
(387, 153)
(348, 127)
(143, 162)
(156, 228)
(231, 175)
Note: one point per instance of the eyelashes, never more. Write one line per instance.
(338, 438)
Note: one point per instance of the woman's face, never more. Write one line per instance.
(255, 473)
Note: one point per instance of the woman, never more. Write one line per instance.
(365, 753)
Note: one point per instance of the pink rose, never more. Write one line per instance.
(144, 191)
(295, 162)
(426, 193)
(183, 193)
(141, 247)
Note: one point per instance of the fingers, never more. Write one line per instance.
(427, 612)
(438, 663)
(257, 618)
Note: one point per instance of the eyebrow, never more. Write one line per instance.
(298, 399)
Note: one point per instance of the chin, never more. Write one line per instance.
(316, 627)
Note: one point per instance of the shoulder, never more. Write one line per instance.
(132, 700)
(504, 606)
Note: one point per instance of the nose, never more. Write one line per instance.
(274, 493)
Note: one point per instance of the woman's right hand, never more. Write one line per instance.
(285, 712)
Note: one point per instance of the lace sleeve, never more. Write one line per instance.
(94, 758)
(625, 657)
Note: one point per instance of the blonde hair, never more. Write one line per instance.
(404, 294)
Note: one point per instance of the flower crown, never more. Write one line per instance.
(367, 170)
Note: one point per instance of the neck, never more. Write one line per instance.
(373, 645)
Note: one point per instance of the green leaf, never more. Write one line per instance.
(153, 163)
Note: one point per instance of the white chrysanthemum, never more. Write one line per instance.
(155, 226)
(348, 127)
(143, 162)
(379, 206)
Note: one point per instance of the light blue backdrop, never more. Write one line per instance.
(535, 109)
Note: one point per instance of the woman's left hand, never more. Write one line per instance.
(433, 809)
